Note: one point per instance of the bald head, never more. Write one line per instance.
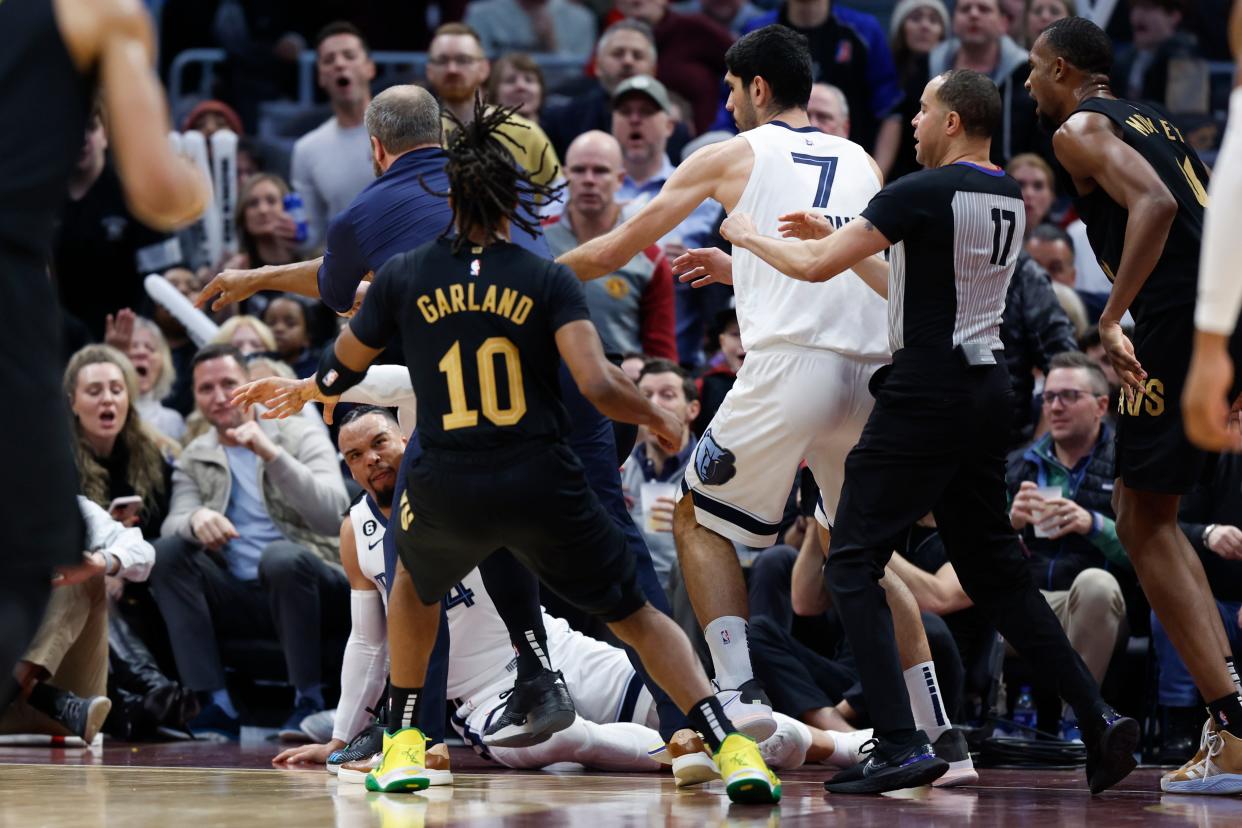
(402, 118)
(595, 170)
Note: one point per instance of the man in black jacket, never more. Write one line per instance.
(1034, 329)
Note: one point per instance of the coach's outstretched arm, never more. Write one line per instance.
(696, 180)
(818, 260)
(607, 387)
(115, 37)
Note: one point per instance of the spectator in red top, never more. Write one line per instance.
(721, 370)
(632, 307)
(691, 49)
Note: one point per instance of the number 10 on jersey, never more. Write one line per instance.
(460, 414)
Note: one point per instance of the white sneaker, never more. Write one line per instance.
(356, 772)
(749, 710)
(692, 762)
(1220, 772)
(786, 748)
(849, 744)
(1197, 759)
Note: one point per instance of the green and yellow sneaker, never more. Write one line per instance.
(404, 766)
(746, 777)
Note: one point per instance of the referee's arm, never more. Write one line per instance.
(818, 260)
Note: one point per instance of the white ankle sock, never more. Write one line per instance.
(926, 703)
(847, 745)
(726, 638)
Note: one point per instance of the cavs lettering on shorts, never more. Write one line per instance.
(1149, 400)
(407, 514)
(714, 464)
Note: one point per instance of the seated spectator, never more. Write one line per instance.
(1039, 190)
(1040, 14)
(288, 317)
(248, 334)
(117, 456)
(668, 386)
(1071, 537)
(691, 49)
(516, 80)
(211, 116)
(267, 234)
(1163, 64)
(152, 360)
(1034, 328)
(734, 15)
(722, 371)
(625, 49)
(539, 27)
(1053, 249)
(332, 163)
(1210, 517)
(63, 677)
(849, 51)
(249, 548)
(642, 125)
(828, 110)
(632, 307)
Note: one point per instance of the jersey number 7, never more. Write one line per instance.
(460, 414)
(827, 172)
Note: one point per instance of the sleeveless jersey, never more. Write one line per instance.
(1173, 281)
(369, 529)
(804, 169)
(44, 107)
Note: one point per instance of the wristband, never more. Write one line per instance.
(1207, 534)
(333, 378)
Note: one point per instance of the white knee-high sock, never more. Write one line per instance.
(616, 746)
(726, 638)
(926, 702)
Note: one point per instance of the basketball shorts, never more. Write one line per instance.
(785, 407)
(600, 679)
(459, 507)
(1153, 453)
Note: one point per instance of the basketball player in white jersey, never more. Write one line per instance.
(613, 729)
(810, 352)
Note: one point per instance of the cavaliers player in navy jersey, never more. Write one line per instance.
(1141, 189)
(485, 324)
(57, 56)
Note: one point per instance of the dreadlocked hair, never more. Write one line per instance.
(486, 184)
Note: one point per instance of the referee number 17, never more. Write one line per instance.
(1000, 252)
(460, 414)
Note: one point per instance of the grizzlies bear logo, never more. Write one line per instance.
(714, 464)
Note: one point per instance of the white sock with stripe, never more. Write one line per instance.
(926, 703)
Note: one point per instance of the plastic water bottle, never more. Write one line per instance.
(296, 208)
(1024, 713)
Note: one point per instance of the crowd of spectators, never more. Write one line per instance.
(232, 522)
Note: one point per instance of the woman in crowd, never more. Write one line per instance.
(516, 80)
(152, 360)
(266, 232)
(289, 318)
(1040, 14)
(248, 334)
(916, 27)
(117, 455)
(1039, 192)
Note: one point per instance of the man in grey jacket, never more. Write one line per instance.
(249, 547)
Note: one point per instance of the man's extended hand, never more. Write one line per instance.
(232, 286)
(704, 266)
(1205, 400)
(284, 397)
(308, 754)
(250, 435)
(804, 225)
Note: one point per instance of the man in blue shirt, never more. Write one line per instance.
(401, 210)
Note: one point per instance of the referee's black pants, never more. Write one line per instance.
(935, 442)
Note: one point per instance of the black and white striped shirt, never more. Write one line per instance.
(956, 232)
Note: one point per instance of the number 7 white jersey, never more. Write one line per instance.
(804, 169)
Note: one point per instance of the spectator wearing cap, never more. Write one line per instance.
(332, 163)
(542, 27)
(211, 116)
(642, 124)
(916, 27)
(632, 307)
(691, 49)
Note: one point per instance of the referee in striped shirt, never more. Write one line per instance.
(935, 441)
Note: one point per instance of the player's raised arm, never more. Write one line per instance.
(818, 260)
(693, 182)
(230, 286)
(162, 189)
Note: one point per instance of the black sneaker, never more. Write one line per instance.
(363, 746)
(951, 747)
(890, 768)
(81, 716)
(1111, 740)
(536, 709)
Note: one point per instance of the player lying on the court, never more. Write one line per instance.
(600, 676)
(483, 323)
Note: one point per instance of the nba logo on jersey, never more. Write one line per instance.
(845, 51)
(474, 268)
(724, 636)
